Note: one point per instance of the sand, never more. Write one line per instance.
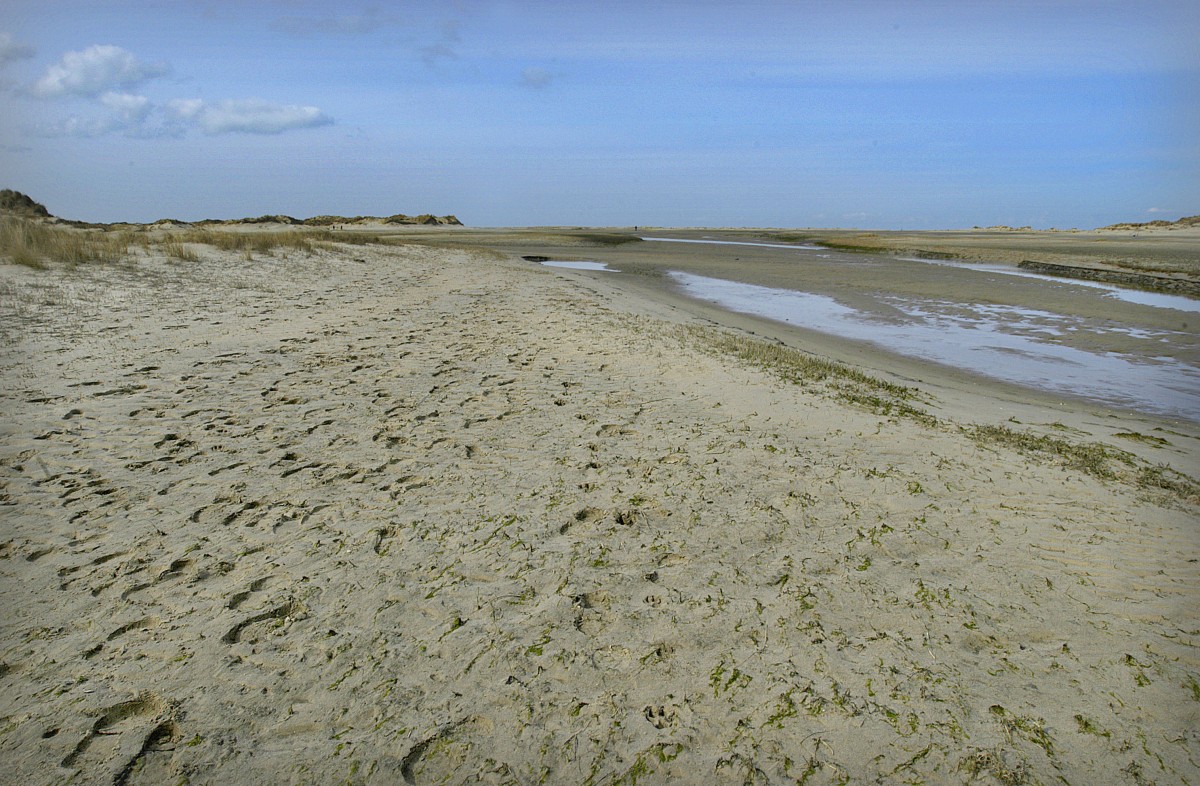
(419, 515)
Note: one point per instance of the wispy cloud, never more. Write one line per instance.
(445, 48)
(11, 50)
(137, 116)
(536, 78)
(249, 116)
(369, 21)
(95, 70)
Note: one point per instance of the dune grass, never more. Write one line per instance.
(250, 243)
(34, 243)
(180, 251)
(246, 242)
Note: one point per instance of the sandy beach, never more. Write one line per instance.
(433, 513)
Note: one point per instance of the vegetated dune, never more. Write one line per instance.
(329, 221)
(1182, 223)
(17, 203)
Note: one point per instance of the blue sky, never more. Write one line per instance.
(791, 114)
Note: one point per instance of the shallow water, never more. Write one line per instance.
(1003, 342)
(579, 265)
(1140, 297)
(732, 243)
(1155, 299)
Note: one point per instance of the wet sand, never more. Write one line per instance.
(1104, 324)
(427, 515)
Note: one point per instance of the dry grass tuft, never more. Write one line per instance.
(251, 243)
(180, 251)
(34, 243)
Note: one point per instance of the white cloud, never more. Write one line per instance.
(95, 70)
(249, 116)
(97, 73)
(130, 109)
(185, 108)
(10, 50)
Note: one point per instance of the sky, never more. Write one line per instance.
(857, 113)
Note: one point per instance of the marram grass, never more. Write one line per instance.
(34, 243)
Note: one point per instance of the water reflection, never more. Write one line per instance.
(1004, 342)
(578, 265)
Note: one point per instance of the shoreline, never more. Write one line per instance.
(850, 278)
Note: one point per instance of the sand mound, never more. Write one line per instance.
(1183, 223)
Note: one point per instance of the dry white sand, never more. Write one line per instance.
(416, 516)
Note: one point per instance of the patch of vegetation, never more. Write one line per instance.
(993, 762)
(1086, 726)
(854, 248)
(251, 243)
(1093, 458)
(1183, 223)
(180, 251)
(1163, 478)
(1145, 438)
(276, 219)
(792, 365)
(246, 242)
(20, 204)
(787, 237)
(1031, 729)
(607, 239)
(34, 243)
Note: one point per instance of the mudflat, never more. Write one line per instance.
(432, 513)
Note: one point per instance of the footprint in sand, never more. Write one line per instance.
(124, 738)
(660, 715)
(283, 613)
(450, 750)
